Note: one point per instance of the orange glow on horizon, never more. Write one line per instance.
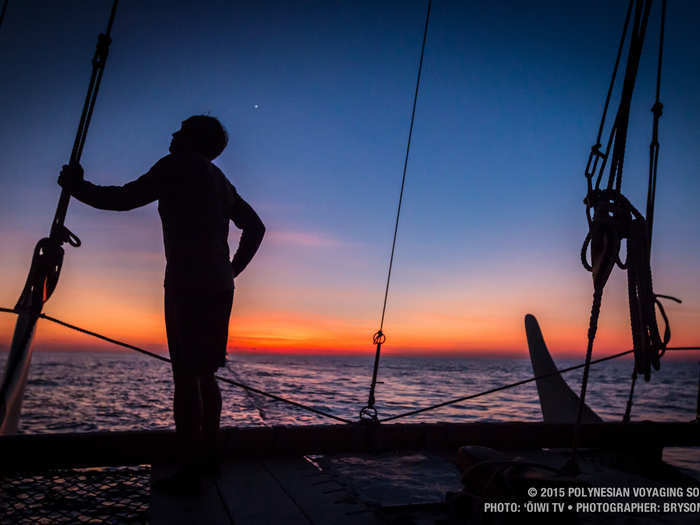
(284, 334)
(439, 318)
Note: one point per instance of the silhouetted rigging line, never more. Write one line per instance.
(596, 155)
(522, 382)
(610, 207)
(166, 360)
(47, 259)
(405, 164)
(654, 146)
(614, 75)
(369, 412)
(654, 149)
(2, 13)
(319, 412)
(98, 64)
(616, 219)
(251, 398)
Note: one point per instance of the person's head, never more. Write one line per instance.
(200, 133)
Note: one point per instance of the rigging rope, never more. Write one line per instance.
(657, 110)
(611, 210)
(522, 382)
(616, 219)
(48, 253)
(99, 59)
(47, 259)
(250, 397)
(319, 412)
(596, 155)
(166, 360)
(503, 387)
(4, 10)
(369, 413)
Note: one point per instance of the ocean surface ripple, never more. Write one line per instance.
(98, 391)
(90, 391)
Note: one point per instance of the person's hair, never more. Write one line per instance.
(207, 134)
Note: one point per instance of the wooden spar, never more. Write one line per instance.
(43, 451)
(47, 260)
(16, 372)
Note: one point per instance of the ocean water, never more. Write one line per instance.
(87, 392)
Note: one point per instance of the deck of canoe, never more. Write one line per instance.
(261, 491)
(269, 477)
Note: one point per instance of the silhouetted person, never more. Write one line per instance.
(195, 203)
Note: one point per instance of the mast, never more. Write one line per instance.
(47, 260)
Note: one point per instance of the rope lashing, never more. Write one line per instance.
(166, 360)
(321, 413)
(615, 219)
(47, 259)
(369, 413)
(654, 147)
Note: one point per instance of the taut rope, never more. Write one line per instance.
(369, 412)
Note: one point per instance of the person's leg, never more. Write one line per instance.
(188, 415)
(187, 402)
(185, 480)
(213, 354)
(211, 414)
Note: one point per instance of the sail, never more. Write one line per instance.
(558, 402)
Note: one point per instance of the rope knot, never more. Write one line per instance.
(613, 216)
(102, 50)
(379, 338)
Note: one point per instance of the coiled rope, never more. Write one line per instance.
(616, 219)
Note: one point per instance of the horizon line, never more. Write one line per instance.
(500, 354)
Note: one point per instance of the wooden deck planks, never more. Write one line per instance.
(205, 508)
(321, 497)
(253, 496)
(256, 491)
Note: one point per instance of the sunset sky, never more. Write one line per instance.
(316, 97)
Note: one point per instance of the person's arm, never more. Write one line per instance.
(245, 218)
(136, 193)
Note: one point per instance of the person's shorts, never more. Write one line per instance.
(197, 328)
